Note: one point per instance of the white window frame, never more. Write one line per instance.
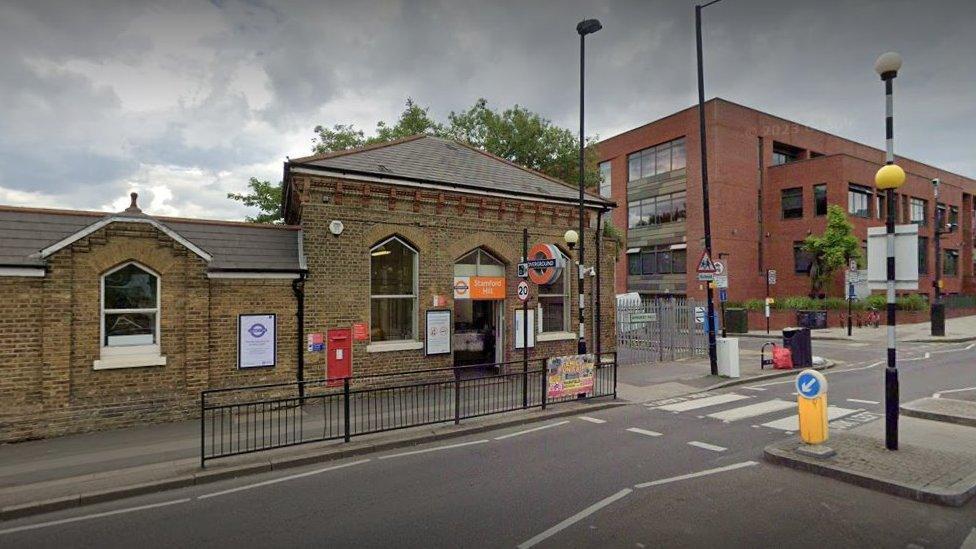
(606, 183)
(129, 356)
(568, 266)
(396, 344)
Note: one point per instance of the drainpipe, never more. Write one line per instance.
(298, 286)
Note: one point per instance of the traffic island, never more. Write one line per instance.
(934, 471)
(949, 410)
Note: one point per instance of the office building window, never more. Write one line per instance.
(656, 160)
(605, 179)
(657, 210)
(940, 214)
(679, 261)
(954, 215)
(917, 211)
(648, 261)
(634, 264)
(880, 204)
(656, 260)
(784, 154)
(923, 255)
(950, 263)
(792, 203)
(858, 201)
(802, 260)
(820, 199)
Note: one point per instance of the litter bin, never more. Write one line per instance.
(797, 340)
(736, 321)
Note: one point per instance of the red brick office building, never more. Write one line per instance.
(770, 181)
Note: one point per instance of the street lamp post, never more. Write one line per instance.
(712, 356)
(587, 26)
(937, 311)
(889, 178)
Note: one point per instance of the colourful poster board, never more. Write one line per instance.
(570, 375)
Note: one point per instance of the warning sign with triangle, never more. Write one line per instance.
(705, 264)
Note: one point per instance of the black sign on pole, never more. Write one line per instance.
(525, 324)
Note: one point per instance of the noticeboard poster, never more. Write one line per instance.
(438, 340)
(570, 375)
(256, 341)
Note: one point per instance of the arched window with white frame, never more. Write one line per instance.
(130, 316)
(393, 291)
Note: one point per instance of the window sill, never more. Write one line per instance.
(131, 361)
(388, 346)
(555, 336)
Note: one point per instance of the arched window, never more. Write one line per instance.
(478, 262)
(130, 307)
(554, 301)
(393, 291)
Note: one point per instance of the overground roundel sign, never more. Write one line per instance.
(548, 253)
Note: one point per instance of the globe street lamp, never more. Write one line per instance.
(587, 26)
(889, 178)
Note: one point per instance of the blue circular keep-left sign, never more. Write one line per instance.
(811, 384)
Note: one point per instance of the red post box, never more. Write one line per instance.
(339, 347)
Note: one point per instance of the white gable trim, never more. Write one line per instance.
(122, 219)
(252, 274)
(22, 271)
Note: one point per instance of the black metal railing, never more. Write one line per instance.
(242, 420)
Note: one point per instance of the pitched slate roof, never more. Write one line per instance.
(446, 162)
(24, 232)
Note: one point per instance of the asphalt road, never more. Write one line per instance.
(634, 476)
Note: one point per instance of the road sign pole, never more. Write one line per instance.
(767, 302)
(525, 328)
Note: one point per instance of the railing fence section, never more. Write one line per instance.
(659, 330)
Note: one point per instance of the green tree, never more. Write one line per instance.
(263, 196)
(832, 250)
(337, 138)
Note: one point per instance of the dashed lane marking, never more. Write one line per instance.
(592, 419)
(532, 430)
(704, 473)
(707, 446)
(435, 449)
(702, 402)
(754, 388)
(538, 538)
(644, 432)
(791, 423)
(860, 401)
(752, 410)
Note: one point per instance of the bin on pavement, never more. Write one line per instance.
(798, 341)
(728, 356)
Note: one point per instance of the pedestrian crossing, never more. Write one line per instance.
(734, 407)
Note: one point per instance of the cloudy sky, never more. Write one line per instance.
(184, 101)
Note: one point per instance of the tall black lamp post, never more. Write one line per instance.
(587, 26)
(712, 356)
(937, 310)
(889, 178)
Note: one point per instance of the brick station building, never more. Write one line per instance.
(111, 320)
(770, 181)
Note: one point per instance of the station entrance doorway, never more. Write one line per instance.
(479, 305)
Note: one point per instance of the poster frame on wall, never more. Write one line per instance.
(440, 347)
(242, 364)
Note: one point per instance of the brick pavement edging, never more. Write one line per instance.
(296, 457)
(947, 410)
(928, 476)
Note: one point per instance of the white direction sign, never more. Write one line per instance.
(719, 268)
(523, 291)
(721, 281)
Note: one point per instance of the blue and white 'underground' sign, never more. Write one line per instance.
(811, 384)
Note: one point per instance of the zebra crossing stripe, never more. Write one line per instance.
(758, 409)
(792, 424)
(702, 402)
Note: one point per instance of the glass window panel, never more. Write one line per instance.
(634, 264)
(634, 167)
(553, 313)
(469, 258)
(391, 269)
(130, 329)
(923, 255)
(647, 162)
(648, 262)
(663, 158)
(678, 154)
(648, 212)
(792, 203)
(633, 214)
(820, 199)
(950, 263)
(917, 211)
(679, 261)
(679, 204)
(664, 262)
(954, 215)
(391, 318)
(605, 185)
(130, 288)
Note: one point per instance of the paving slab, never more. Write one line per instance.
(935, 462)
(949, 410)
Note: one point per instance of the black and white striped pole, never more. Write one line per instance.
(889, 178)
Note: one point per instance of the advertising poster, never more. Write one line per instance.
(256, 346)
(570, 375)
(438, 338)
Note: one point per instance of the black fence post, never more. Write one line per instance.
(345, 404)
(203, 438)
(615, 375)
(542, 375)
(457, 398)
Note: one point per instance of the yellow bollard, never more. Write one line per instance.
(811, 403)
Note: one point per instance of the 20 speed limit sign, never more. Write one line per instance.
(523, 290)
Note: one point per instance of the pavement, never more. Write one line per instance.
(958, 330)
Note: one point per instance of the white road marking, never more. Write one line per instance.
(435, 449)
(754, 388)
(970, 541)
(283, 479)
(704, 473)
(94, 516)
(928, 355)
(702, 402)
(707, 446)
(574, 519)
(826, 373)
(592, 419)
(791, 423)
(859, 401)
(753, 410)
(644, 432)
(940, 393)
(532, 430)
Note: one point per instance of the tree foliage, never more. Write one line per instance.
(832, 250)
(265, 197)
(515, 134)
